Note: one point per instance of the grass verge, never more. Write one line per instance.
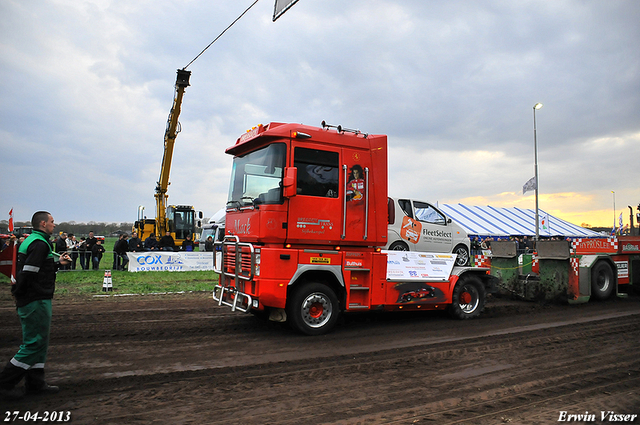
(87, 283)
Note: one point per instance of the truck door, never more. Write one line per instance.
(315, 213)
(357, 201)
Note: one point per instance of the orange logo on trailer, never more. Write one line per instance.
(411, 229)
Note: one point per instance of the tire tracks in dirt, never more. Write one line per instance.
(186, 361)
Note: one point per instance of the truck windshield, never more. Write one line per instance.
(256, 177)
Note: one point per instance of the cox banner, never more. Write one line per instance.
(169, 261)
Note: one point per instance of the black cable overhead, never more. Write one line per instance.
(216, 39)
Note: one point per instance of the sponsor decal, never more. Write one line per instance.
(410, 229)
(595, 244)
(437, 233)
(313, 225)
(629, 248)
(354, 263)
(414, 265)
(623, 269)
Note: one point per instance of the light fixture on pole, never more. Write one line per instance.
(535, 149)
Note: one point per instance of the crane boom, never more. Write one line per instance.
(179, 220)
(172, 130)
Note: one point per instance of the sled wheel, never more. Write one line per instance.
(468, 298)
(602, 280)
(313, 309)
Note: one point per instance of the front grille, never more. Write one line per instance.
(238, 262)
(234, 263)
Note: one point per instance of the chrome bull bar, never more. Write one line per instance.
(230, 295)
(236, 296)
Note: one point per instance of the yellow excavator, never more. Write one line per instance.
(179, 220)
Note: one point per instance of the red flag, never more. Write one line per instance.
(14, 249)
(14, 262)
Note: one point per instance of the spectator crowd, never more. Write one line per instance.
(89, 251)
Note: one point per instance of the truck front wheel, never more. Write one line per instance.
(468, 298)
(602, 280)
(313, 309)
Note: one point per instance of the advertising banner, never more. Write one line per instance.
(409, 265)
(169, 261)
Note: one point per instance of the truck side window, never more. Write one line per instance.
(318, 172)
(428, 214)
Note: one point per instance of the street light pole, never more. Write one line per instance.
(535, 149)
(614, 209)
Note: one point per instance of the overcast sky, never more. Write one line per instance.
(86, 88)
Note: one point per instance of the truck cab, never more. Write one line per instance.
(305, 185)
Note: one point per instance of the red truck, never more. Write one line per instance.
(306, 218)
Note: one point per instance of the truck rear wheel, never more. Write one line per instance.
(313, 309)
(602, 280)
(468, 298)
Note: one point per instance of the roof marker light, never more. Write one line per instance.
(301, 135)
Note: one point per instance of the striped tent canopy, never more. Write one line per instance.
(500, 222)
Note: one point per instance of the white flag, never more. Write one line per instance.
(282, 6)
(544, 223)
(620, 224)
(530, 185)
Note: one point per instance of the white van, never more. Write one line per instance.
(419, 226)
(214, 228)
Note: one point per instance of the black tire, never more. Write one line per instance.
(463, 255)
(602, 280)
(313, 309)
(399, 246)
(469, 297)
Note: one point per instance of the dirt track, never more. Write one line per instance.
(183, 360)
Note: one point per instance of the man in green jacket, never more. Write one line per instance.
(33, 291)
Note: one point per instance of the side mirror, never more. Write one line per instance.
(289, 182)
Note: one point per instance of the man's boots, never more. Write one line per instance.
(35, 383)
(9, 378)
